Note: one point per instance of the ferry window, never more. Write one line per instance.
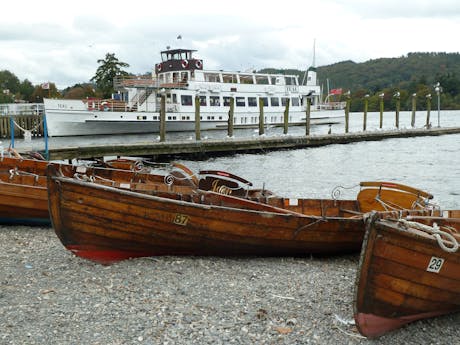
(262, 79)
(175, 77)
(284, 101)
(212, 77)
(246, 79)
(161, 78)
(229, 78)
(275, 101)
(226, 101)
(214, 101)
(273, 80)
(252, 101)
(203, 100)
(290, 80)
(295, 101)
(186, 100)
(265, 100)
(240, 102)
(174, 98)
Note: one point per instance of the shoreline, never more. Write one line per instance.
(50, 296)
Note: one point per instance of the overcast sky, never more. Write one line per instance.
(61, 41)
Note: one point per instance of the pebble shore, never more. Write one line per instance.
(49, 296)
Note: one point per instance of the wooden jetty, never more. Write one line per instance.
(202, 148)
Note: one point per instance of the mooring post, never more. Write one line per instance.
(414, 109)
(261, 116)
(366, 106)
(381, 109)
(163, 118)
(45, 133)
(286, 117)
(307, 117)
(428, 109)
(347, 111)
(12, 130)
(230, 117)
(197, 118)
(397, 95)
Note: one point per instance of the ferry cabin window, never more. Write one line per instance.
(184, 77)
(175, 77)
(275, 101)
(246, 79)
(283, 101)
(212, 77)
(186, 100)
(273, 80)
(262, 79)
(290, 80)
(203, 101)
(226, 101)
(229, 78)
(214, 101)
(240, 102)
(265, 100)
(252, 101)
(174, 98)
(295, 101)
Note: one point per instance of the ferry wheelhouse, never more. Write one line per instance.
(180, 77)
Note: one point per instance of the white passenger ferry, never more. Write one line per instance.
(135, 108)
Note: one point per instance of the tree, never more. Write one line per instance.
(109, 68)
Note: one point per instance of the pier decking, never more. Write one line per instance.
(203, 148)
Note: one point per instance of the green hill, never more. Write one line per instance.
(414, 73)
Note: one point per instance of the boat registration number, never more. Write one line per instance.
(180, 219)
(435, 264)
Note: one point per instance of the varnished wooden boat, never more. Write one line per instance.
(407, 273)
(24, 198)
(107, 224)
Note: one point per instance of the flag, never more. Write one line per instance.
(45, 86)
(335, 92)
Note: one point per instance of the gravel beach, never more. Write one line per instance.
(49, 296)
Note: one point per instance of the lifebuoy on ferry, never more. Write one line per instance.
(159, 67)
(198, 64)
(184, 63)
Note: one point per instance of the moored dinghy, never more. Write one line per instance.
(409, 270)
(107, 224)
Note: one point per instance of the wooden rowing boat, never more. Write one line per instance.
(408, 271)
(107, 224)
(24, 198)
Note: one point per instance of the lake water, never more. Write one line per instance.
(428, 163)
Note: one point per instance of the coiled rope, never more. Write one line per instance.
(436, 232)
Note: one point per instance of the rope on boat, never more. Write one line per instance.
(436, 232)
(16, 172)
(28, 130)
(337, 191)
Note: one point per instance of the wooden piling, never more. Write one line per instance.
(381, 110)
(307, 117)
(163, 118)
(286, 117)
(366, 106)
(261, 116)
(197, 118)
(230, 117)
(428, 109)
(414, 109)
(398, 105)
(347, 114)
